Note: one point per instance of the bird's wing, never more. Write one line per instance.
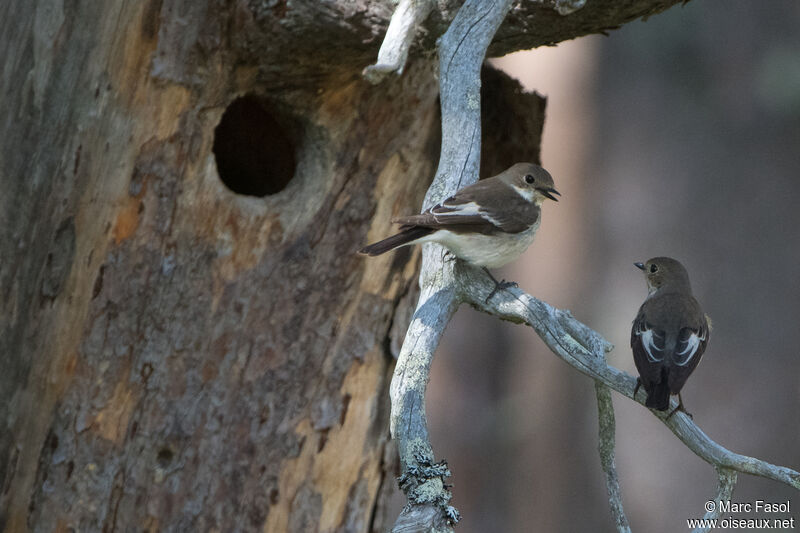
(482, 208)
(689, 348)
(690, 345)
(648, 345)
(649, 339)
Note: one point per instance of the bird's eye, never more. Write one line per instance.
(529, 178)
(653, 269)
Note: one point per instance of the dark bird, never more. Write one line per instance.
(488, 224)
(669, 334)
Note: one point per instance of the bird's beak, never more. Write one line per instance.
(639, 265)
(550, 192)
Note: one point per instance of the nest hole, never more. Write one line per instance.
(254, 152)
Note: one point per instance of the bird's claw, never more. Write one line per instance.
(449, 257)
(501, 286)
(680, 408)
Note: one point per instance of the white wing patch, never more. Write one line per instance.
(649, 345)
(692, 343)
(466, 210)
(460, 210)
(485, 214)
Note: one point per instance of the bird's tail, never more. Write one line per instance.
(390, 243)
(658, 395)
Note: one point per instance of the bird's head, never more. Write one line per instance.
(532, 181)
(664, 272)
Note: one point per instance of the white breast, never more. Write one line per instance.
(490, 251)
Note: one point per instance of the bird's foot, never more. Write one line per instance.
(498, 285)
(680, 408)
(636, 388)
(449, 257)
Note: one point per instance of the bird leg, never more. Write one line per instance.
(680, 408)
(498, 285)
(636, 388)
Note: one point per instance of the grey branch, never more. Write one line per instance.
(726, 484)
(582, 348)
(577, 344)
(393, 54)
(462, 50)
(446, 284)
(606, 446)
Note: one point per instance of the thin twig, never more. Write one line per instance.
(725, 486)
(606, 446)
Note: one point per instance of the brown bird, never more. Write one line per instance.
(669, 334)
(488, 224)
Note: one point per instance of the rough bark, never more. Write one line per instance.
(176, 356)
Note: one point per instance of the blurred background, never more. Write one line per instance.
(677, 136)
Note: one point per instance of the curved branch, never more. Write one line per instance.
(577, 345)
(428, 498)
(462, 50)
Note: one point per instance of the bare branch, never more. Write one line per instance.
(393, 54)
(428, 499)
(407, 18)
(606, 447)
(577, 344)
(725, 486)
(462, 50)
(445, 285)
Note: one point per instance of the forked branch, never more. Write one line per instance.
(447, 284)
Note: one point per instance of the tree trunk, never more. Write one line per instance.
(178, 356)
(189, 341)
